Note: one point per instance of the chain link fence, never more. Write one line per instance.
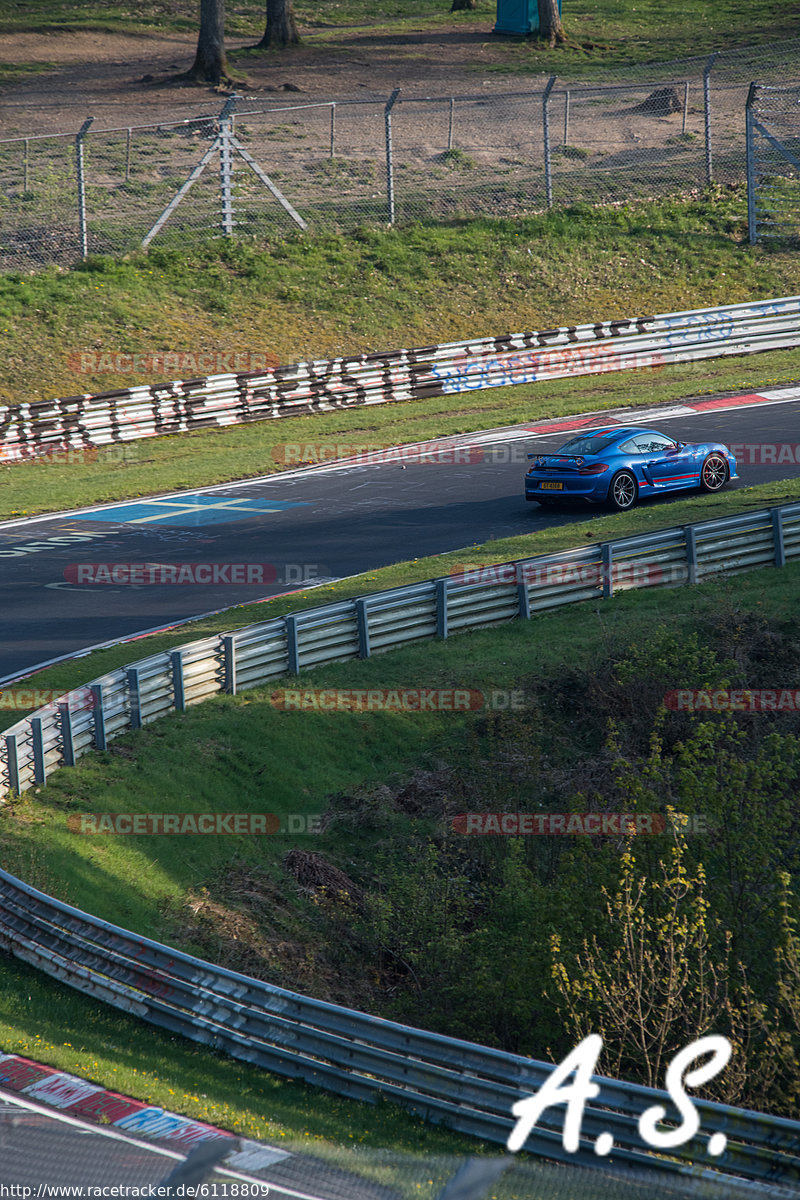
(263, 168)
(773, 163)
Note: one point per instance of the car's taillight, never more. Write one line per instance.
(595, 469)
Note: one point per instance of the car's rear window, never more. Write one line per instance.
(589, 445)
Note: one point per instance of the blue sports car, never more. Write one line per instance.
(617, 465)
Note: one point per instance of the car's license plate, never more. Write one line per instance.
(552, 487)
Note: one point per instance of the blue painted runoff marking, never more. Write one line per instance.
(190, 510)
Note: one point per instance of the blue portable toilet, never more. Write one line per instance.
(518, 16)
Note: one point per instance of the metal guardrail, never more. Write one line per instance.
(468, 1087)
(131, 696)
(29, 429)
(465, 1086)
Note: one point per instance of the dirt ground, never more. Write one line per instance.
(121, 80)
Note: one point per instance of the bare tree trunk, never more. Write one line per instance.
(281, 29)
(550, 28)
(210, 64)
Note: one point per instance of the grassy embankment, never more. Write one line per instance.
(378, 290)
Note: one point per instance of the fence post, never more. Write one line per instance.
(707, 111)
(333, 129)
(387, 116)
(548, 179)
(226, 164)
(752, 230)
(566, 117)
(128, 156)
(685, 104)
(450, 125)
(81, 179)
(25, 162)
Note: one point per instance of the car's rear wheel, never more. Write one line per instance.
(714, 474)
(622, 491)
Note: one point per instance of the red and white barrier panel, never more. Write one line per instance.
(91, 1102)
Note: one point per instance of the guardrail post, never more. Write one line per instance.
(607, 552)
(229, 660)
(135, 697)
(691, 552)
(98, 699)
(292, 647)
(37, 738)
(776, 515)
(441, 607)
(362, 616)
(178, 695)
(12, 759)
(67, 736)
(523, 599)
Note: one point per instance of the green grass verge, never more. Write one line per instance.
(377, 290)
(43, 1020)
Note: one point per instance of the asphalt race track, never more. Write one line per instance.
(322, 522)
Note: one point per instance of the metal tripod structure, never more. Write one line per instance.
(225, 143)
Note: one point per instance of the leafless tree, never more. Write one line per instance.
(281, 29)
(210, 63)
(550, 28)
